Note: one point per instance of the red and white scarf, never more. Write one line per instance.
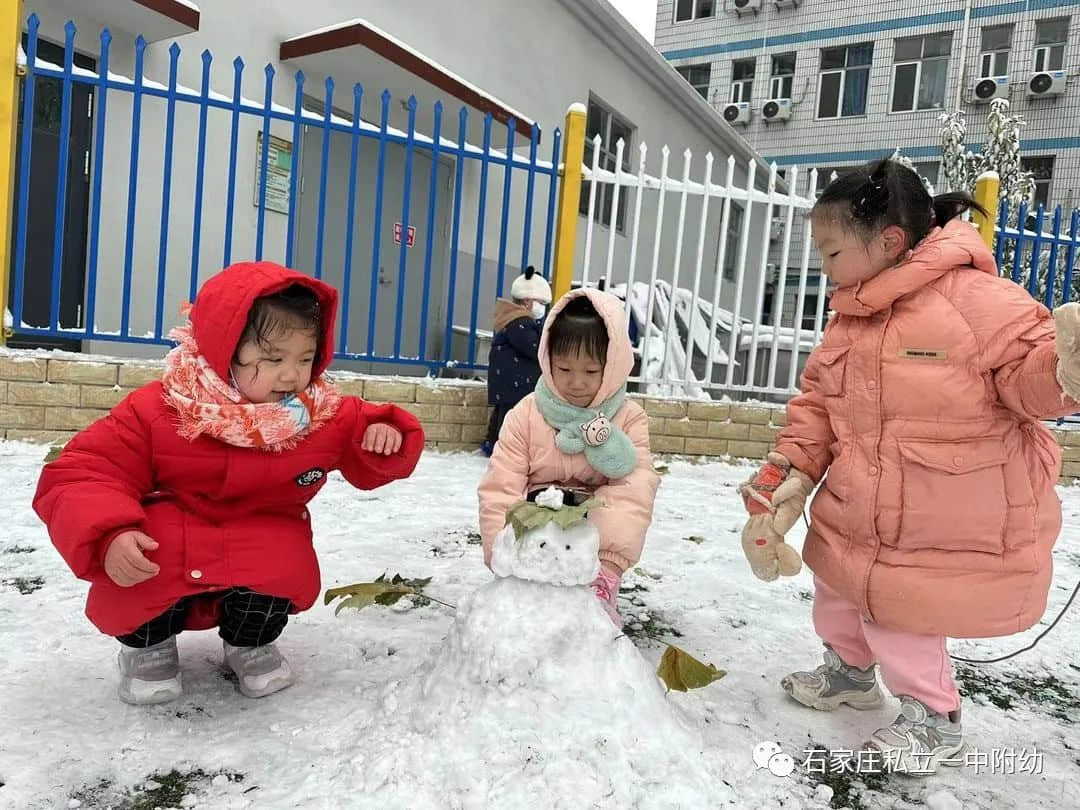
(208, 405)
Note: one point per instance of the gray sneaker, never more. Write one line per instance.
(917, 742)
(834, 683)
(260, 671)
(150, 674)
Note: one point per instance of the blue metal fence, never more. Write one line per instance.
(538, 175)
(1042, 260)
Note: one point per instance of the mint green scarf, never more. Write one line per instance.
(590, 431)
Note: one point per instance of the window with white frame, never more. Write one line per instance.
(742, 80)
(698, 76)
(844, 81)
(610, 126)
(782, 75)
(734, 233)
(996, 44)
(1051, 37)
(920, 71)
(687, 10)
(1042, 169)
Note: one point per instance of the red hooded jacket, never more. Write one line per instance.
(224, 516)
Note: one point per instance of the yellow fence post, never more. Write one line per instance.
(573, 155)
(987, 189)
(10, 30)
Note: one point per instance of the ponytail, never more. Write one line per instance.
(951, 205)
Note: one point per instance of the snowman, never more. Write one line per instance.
(536, 699)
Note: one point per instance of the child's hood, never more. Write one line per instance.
(955, 246)
(620, 354)
(220, 312)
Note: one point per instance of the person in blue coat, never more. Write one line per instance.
(513, 368)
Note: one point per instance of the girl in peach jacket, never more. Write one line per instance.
(938, 513)
(578, 432)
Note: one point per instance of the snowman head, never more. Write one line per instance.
(549, 554)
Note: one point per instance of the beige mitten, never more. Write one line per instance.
(1067, 324)
(775, 498)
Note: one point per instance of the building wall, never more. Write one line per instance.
(536, 57)
(817, 24)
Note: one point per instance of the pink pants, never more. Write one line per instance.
(911, 664)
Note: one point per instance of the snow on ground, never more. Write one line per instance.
(67, 741)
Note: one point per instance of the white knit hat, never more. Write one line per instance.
(531, 284)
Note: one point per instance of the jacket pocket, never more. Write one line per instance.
(832, 363)
(954, 495)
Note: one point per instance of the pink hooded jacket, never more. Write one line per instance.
(526, 457)
(938, 513)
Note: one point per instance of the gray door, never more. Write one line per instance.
(391, 276)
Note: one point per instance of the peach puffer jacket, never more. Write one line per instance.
(526, 457)
(938, 512)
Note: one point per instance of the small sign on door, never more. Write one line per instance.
(410, 235)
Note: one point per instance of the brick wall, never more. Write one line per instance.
(46, 398)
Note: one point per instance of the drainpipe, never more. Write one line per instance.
(963, 55)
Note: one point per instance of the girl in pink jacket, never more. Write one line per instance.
(937, 514)
(585, 357)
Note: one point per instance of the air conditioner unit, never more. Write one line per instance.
(741, 7)
(1047, 83)
(785, 4)
(776, 109)
(737, 112)
(986, 90)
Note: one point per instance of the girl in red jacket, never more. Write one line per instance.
(185, 507)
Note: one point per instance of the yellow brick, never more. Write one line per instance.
(22, 416)
(476, 395)
(40, 436)
(103, 396)
(656, 426)
(474, 434)
(389, 391)
(706, 447)
(728, 430)
(3, 390)
(351, 387)
(685, 427)
(23, 393)
(666, 444)
(442, 432)
(750, 414)
(751, 450)
(464, 414)
(424, 412)
(1071, 469)
(763, 433)
(136, 376)
(672, 408)
(709, 411)
(78, 371)
(1071, 453)
(16, 367)
(455, 447)
(71, 418)
(441, 394)
(779, 416)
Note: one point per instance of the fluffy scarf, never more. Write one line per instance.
(207, 405)
(590, 431)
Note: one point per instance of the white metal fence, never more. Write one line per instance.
(698, 302)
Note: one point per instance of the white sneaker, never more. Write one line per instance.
(260, 671)
(834, 684)
(917, 742)
(150, 674)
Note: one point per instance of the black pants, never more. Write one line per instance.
(498, 414)
(248, 619)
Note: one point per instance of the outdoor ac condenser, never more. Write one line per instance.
(738, 112)
(776, 109)
(1047, 83)
(986, 90)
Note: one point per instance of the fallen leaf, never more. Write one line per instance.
(680, 671)
(695, 538)
(363, 594)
